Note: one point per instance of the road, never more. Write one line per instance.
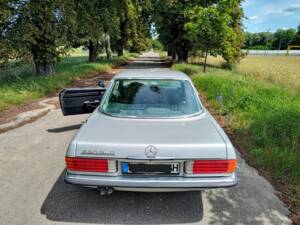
(32, 191)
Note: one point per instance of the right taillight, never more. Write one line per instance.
(210, 166)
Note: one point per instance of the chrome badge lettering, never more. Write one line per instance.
(97, 152)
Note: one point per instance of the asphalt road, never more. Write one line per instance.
(32, 190)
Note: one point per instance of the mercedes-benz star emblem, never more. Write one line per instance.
(150, 151)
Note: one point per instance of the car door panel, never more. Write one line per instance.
(74, 101)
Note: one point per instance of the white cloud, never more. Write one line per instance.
(253, 17)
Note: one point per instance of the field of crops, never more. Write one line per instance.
(280, 70)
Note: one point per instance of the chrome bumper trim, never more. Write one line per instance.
(151, 182)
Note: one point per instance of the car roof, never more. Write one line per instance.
(151, 74)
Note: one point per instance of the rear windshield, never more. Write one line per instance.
(151, 98)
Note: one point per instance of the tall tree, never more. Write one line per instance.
(37, 29)
(234, 39)
(297, 37)
(283, 38)
(109, 23)
(89, 30)
(6, 52)
(217, 29)
(133, 29)
(169, 18)
(206, 30)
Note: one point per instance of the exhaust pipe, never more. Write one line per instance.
(105, 190)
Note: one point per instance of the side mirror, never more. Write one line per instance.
(101, 84)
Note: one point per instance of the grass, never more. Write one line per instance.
(19, 84)
(265, 117)
(281, 70)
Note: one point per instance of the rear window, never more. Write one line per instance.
(151, 98)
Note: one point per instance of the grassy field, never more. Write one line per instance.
(19, 84)
(280, 70)
(264, 116)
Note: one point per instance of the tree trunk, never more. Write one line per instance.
(120, 48)
(44, 63)
(93, 52)
(182, 54)
(205, 61)
(174, 56)
(169, 52)
(44, 68)
(107, 47)
(122, 40)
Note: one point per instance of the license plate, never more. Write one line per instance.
(151, 169)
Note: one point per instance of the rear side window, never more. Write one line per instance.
(151, 98)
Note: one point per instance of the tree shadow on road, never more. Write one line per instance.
(70, 203)
(252, 201)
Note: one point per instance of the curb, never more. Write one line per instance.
(28, 116)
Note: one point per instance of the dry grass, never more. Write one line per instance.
(280, 70)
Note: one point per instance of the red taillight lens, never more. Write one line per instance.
(90, 165)
(210, 166)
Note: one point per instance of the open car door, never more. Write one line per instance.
(75, 101)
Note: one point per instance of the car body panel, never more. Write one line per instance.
(174, 138)
(178, 139)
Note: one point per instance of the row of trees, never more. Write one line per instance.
(273, 41)
(43, 31)
(206, 26)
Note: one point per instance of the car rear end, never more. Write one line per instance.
(151, 175)
(151, 135)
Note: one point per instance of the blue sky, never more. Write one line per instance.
(270, 15)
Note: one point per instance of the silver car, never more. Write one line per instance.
(148, 132)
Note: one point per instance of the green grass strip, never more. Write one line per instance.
(265, 117)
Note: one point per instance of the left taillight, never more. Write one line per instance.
(90, 165)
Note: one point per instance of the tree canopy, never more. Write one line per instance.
(43, 31)
(37, 30)
(200, 25)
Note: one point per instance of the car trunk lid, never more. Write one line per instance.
(189, 138)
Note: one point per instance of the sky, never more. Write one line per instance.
(270, 15)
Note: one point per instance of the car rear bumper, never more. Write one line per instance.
(129, 183)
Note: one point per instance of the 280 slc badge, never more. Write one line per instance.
(97, 152)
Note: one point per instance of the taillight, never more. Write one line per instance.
(90, 165)
(210, 166)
